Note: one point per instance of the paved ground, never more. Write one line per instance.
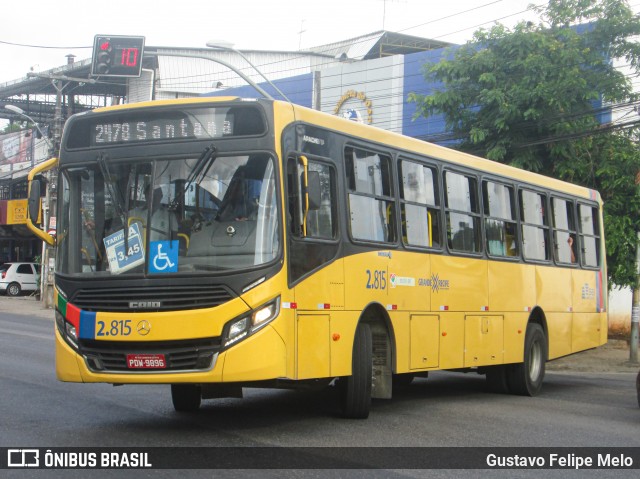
(26, 305)
(612, 357)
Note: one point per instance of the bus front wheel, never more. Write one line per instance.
(356, 389)
(525, 379)
(186, 397)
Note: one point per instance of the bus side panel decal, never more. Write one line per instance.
(87, 324)
(599, 300)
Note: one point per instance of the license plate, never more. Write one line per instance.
(146, 361)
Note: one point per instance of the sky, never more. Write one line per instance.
(39, 37)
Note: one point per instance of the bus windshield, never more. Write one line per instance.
(161, 216)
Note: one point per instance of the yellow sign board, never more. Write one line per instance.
(17, 212)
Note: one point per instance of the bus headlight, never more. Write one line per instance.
(67, 330)
(239, 328)
(265, 314)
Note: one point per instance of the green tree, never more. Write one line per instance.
(531, 97)
(10, 128)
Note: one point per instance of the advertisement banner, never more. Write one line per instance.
(15, 147)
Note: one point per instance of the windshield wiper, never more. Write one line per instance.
(200, 169)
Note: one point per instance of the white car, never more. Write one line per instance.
(18, 277)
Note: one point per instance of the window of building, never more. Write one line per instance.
(371, 205)
(419, 205)
(462, 212)
(500, 220)
(535, 227)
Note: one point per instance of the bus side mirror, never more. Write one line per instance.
(313, 189)
(34, 201)
(33, 206)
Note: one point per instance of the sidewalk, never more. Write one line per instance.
(26, 305)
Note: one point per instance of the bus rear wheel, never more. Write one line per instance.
(186, 397)
(356, 389)
(525, 379)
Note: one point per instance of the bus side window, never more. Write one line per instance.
(321, 222)
(419, 205)
(500, 220)
(462, 212)
(535, 227)
(564, 233)
(371, 202)
(294, 206)
(589, 235)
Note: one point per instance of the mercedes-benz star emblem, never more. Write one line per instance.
(143, 327)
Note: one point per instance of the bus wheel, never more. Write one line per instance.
(356, 389)
(525, 379)
(185, 397)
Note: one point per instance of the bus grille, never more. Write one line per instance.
(189, 355)
(159, 298)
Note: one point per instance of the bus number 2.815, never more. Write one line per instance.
(115, 328)
(376, 279)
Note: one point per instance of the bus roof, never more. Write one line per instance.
(385, 137)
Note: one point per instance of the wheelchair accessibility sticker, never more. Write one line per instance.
(164, 256)
(121, 260)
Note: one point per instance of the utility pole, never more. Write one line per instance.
(635, 302)
(48, 256)
(59, 82)
(635, 309)
(49, 207)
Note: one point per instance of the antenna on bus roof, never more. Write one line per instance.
(216, 60)
(226, 46)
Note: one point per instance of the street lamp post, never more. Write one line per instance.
(222, 45)
(19, 111)
(215, 60)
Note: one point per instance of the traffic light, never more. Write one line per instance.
(117, 56)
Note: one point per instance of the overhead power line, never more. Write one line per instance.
(42, 46)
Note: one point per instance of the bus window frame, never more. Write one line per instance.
(393, 198)
(515, 220)
(547, 228)
(597, 234)
(435, 166)
(479, 214)
(293, 240)
(553, 195)
(293, 156)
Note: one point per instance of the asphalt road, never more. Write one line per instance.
(447, 409)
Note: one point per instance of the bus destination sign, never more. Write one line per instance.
(155, 126)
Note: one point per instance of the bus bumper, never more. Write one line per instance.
(261, 356)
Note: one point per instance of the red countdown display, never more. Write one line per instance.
(117, 56)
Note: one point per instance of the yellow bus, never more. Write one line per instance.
(216, 244)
